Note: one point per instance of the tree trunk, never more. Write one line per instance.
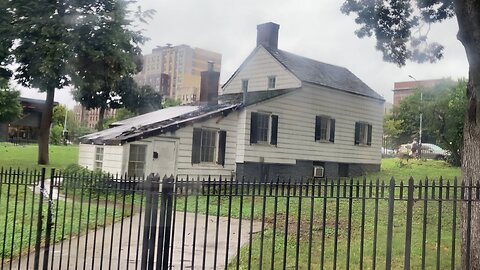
(101, 118)
(44, 132)
(468, 17)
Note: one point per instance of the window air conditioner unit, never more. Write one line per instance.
(318, 172)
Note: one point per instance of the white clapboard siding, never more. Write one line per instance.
(112, 157)
(184, 136)
(256, 69)
(86, 155)
(296, 127)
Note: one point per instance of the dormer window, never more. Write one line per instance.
(244, 85)
(271, 82)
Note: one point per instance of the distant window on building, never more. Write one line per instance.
(363, 133)
(244, 85)
(136, 161)
(271, 82)
(98, 158)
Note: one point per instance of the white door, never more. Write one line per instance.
(164, 157)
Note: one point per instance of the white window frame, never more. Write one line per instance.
(327, 121)
(269, 127)
(215, 147)
(271, 82)
(136, 162)
(363, 133)
(98, 159)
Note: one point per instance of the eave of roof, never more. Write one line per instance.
(143, 131)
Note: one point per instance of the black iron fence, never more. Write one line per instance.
(53, 221)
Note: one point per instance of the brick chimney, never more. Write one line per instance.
(209, 85)
(267, 35)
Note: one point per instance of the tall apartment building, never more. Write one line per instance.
(89, 118)
(175, 70)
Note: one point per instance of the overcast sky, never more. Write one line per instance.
(311, 28)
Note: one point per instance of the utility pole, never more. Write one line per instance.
(421, 118)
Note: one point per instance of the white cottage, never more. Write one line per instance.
(279, 115)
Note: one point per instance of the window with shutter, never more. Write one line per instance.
(204, 146)
(274, 132)
(222, 143)
(363, 133)
(263, 128)
(324, 128)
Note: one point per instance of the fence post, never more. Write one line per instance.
(48, 230)
(38, 240)
(150, 222)
(165, 223)
(391, 204)
(408, 229)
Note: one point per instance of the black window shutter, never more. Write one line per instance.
(369, 135)
(274, 133)
(332, 130)
(318, 124)
(253, 128)
(222, 142)
(357, 133)
(196, 142)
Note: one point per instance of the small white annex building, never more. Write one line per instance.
(279, 115)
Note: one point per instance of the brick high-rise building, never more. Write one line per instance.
(89, 118)
(175, 70)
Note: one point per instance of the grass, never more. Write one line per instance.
(299, 216)
(25, 156)
(72, 217)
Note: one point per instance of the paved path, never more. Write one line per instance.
(123, 247)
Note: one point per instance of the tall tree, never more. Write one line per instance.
(393, 24)
(6, 43)
(42, 33)
(107, 51)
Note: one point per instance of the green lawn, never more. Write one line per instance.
(25, 156)
(401, 170)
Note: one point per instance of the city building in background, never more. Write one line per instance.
(405, 89)
(175, 70)
(89, 118)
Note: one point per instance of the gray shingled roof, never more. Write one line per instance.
(312, 71)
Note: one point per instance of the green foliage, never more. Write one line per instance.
(397, 27)
(392, 129)
(107, 51)
(121, 114)
(58, 115)
(139, 99)
(171, 102)
(443, 109)
(10, 108)
(56, 135)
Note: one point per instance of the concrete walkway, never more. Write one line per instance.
(121, 250)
